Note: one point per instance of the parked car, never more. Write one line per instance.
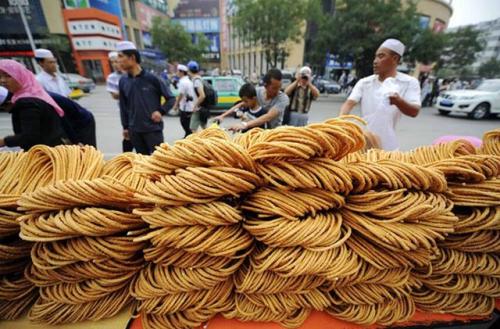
(77, 81)
(477, 103)
(331, 87)
(287, 78)
(227, 88)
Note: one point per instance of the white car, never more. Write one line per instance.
(477, 103)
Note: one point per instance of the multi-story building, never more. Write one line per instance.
(490, 35)
(434, 14)
(202, 16)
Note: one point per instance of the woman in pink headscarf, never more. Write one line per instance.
(36, 118)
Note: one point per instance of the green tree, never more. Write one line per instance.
(172, 39)
(270, 24)
(490, 69)
(358, 28)
(461, 48)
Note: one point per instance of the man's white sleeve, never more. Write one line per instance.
(412, 94)
(357, 92)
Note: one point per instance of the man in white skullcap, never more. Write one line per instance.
(385, 95)
(140, 95)
(49, 78)
(186, 99)
(301, 93)
(112, 82)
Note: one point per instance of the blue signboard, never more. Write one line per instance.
(333, 62)
(110, 6)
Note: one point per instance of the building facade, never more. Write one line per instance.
(434, 14)
(202, 16)
(490, 34)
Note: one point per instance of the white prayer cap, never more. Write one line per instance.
(3, 94)
(125, 45)
(395, 45)
(112, 54)
(43, 53)
(181, 67)
(305, 70)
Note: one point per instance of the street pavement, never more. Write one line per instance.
(412, 132)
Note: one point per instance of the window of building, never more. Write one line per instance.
(137, 37)
(123, 4)
(129, 35)
(133, 13)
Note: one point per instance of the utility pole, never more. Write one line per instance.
(28, 33)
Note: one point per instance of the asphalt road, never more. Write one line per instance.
(412, 132)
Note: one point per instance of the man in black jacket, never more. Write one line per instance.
(140, 101)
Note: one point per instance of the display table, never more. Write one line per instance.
(322, 320)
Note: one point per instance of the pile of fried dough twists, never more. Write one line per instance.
(263, 226)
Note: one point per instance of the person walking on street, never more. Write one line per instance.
(200, 115)
(36, 118)
(385, 95)
(301, 93)
(112, 86)
(270, 98)
(140, 95)
(186, 99)
(49, 78)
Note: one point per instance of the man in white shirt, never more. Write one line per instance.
(385, 95)
(186, 100)
(49, 78)
(112, 86)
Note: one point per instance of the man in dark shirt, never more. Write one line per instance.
(140, 101)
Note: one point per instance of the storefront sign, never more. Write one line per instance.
(94, 43)
(93, 27)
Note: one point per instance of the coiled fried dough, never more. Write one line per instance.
(246, 310)
(51, 312)
(8, 223)
(288, 302)
(180, 320)
(470, 168)
(449, 261)
(291, 204)
(15, 287)
(402, 206)
(332, 139)
(195, 151)
(11, 164)
(395, 175)
(460, 304)
(395, 235)
(76, 222)
(209, 214)
(184, 259)
(491, 142)
(316, 233)
(322, 173)
(462, 284)
(80, 271)
(198, 185)
(86, 291)
(158, 280)
(14, 309)
(51, 255)
(369, 293)
(248, 281)
(15, 250)
(387, 313)
(477, 219)
(297, 261)
(121, 168)
(484, 194)
(223, 241)
(481, 241)
(69, 194)
(217, 299)
(382, 258)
